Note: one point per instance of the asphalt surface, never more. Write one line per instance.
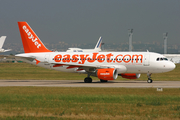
(95, 83)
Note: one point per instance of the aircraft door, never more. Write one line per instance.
(46, 58)
(146, 60)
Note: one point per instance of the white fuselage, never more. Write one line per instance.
(127, 62)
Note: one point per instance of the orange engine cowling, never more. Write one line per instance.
(107, 74)
(130, 75)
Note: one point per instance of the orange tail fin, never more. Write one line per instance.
(30, 40)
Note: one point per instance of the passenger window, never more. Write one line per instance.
(157, 59)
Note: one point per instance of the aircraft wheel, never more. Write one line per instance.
(88, 80)
(103, 80)
(149, 80)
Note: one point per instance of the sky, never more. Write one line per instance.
(84, 21)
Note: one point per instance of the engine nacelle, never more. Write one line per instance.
(107, 74)
(130, 75)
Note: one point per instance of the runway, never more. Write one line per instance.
(95, 83)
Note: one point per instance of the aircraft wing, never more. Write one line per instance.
(92, 68)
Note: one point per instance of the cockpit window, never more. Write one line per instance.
(161, 59)
(165, 59)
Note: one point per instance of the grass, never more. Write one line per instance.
(24, 71)
(49, 103)
(88, 103)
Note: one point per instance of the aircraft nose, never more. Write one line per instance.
(170, 66)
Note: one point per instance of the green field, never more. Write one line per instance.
(67, 103)
(24, 71)
(88, 103)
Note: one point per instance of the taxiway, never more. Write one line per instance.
(95, 83)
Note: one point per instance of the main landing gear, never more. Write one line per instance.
(103, 80)
(149, 78)
(88, 80)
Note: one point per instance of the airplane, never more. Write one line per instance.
(97, 48)
(104, 65)
(2, 39)
(175, 58)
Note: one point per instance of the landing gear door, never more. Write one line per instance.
(146, 60)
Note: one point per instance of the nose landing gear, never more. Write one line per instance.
(149, 78)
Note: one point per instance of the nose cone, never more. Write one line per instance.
(169, 66)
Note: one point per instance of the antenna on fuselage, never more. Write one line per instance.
(165, 42)
(130, 33)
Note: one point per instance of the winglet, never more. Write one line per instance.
(30, 40)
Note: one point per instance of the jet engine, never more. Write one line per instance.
(130, 75)
(107, 74)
